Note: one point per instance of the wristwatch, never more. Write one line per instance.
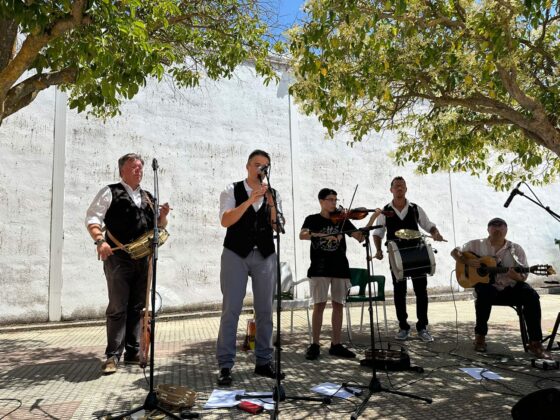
(99, 241)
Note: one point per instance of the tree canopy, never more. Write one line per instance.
(468, 85)
(103, 51)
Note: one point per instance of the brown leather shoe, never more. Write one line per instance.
(537, 349)
(479, 343)
(109, 366)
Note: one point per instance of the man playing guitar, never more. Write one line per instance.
(508, 287)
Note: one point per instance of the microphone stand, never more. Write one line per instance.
(278, 393)
(538, 203)
(374, 385)
(151, 403)
(549, 338)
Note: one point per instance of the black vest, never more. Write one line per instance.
(394, 223)
(124, 219)
(253, 229)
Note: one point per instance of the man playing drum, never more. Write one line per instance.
(127, 212)
(407, 215)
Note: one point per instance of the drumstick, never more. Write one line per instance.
(170, 208)
(431, 237)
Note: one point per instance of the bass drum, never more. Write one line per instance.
(411, 259)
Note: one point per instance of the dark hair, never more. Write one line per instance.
(397, 178)
(258, 152)
(127, 157)
(325, 192)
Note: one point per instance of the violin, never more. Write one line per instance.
(360, 213)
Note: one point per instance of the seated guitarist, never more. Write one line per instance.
(509, 288)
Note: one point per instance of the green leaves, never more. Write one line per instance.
(468, 85)
(121, 44)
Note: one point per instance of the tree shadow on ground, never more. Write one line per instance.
(454, 393)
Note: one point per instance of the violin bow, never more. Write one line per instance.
(349, 207)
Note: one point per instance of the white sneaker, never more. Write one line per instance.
(425, 336)
(402, 335)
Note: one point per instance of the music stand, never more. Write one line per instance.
(374, 385)
(151, 403)
(278, 393)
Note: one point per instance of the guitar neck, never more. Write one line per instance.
(501, 270)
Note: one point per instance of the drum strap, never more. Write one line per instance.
(150, 203)
(119, 243)
(116, 241)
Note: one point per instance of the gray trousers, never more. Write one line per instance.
(126, 285)
(233, 281)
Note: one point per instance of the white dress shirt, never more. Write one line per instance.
(423, 220)
(98, 208)
(227, 199)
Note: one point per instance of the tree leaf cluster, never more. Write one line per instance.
(467, 85)
(103, 51)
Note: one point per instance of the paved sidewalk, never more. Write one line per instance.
(54, 373)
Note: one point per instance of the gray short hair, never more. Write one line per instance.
(127, 157)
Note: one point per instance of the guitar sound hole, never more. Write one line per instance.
(482, 271)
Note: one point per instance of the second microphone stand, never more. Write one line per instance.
(374, 385)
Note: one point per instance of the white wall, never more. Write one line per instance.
(201, 138)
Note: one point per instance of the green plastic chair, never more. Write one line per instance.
(359, 277)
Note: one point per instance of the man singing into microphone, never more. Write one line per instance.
(247, 211)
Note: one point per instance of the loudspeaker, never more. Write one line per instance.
(542, 405)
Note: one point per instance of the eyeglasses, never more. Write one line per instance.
(332, 200)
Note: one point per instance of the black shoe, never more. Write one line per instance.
(224, 379)
(313, 352)
(341, 351)
(267, 371)
(131, 358)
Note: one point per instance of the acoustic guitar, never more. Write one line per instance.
(468, 276)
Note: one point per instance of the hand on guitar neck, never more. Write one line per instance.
(472, 269)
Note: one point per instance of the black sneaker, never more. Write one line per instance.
(224, 378)
(313, 352)
(131, 358)
(267, 371)
(341, 351)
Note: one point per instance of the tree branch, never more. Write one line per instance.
(35, 42)
(25, 92)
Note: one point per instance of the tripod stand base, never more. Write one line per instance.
(375, 387)
(278, 394)
(150, 404)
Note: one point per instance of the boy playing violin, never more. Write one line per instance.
(329, 268)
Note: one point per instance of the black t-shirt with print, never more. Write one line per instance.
(328, 255)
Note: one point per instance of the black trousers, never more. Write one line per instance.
(126, 284)
(520, 294)
(420, 285)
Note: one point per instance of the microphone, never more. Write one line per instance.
(514, 192)
(263, 169)
(154, 164)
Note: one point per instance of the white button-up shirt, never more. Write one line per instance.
(98, 208)
(227, 199)
(423, 220)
